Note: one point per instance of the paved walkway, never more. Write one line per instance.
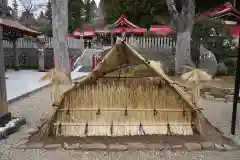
(219, 114)
(25, 81)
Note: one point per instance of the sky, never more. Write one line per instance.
(36, 2)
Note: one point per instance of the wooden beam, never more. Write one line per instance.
(128, 109)
(3, 93)
(116, 124)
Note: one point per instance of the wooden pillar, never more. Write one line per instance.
(112, 39)
(3, 92)
(16, 57)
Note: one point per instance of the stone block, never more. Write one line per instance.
(137, 146)
(26, 136)
(177, 147)
(207, 93)
(118, 147)
(193, 146)
(207, 145)
(209, 97)
(36, 145)
(52, 146)
(155, 146)
(93, 146)
(32, 131)
(71, 146)
(219, 99)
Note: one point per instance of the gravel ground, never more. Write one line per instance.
(39, 104)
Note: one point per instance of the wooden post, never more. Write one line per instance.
(236, 93)
(3, 93)
(15, 53)
(41, 45)
(41, 60)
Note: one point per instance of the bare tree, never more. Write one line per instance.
(183, 13)
(28, 18)
(60, 30)
(28, 9)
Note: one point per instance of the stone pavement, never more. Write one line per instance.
(25, 81)
(219, 113)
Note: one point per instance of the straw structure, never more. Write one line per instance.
(124, 107)
(104, 103)
(194, 77)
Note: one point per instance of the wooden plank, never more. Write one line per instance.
(3, 93)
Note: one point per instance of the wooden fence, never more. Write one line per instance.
(143, 42)
(27, 43)
(151, 42)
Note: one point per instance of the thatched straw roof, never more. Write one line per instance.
(122, 54)
(176, 110)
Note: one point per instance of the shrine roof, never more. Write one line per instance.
(9, 24)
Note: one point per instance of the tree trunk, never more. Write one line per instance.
(184, 21)
(60, 30)
(183, 52)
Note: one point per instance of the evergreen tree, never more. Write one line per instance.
(75, 14)
(15, 5)
(88, 14)
(48, 12)
(47, 30)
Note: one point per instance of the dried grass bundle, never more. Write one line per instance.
(60, 82)
(118, 108)
(194, 77)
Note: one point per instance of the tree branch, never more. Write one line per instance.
(172, 8)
